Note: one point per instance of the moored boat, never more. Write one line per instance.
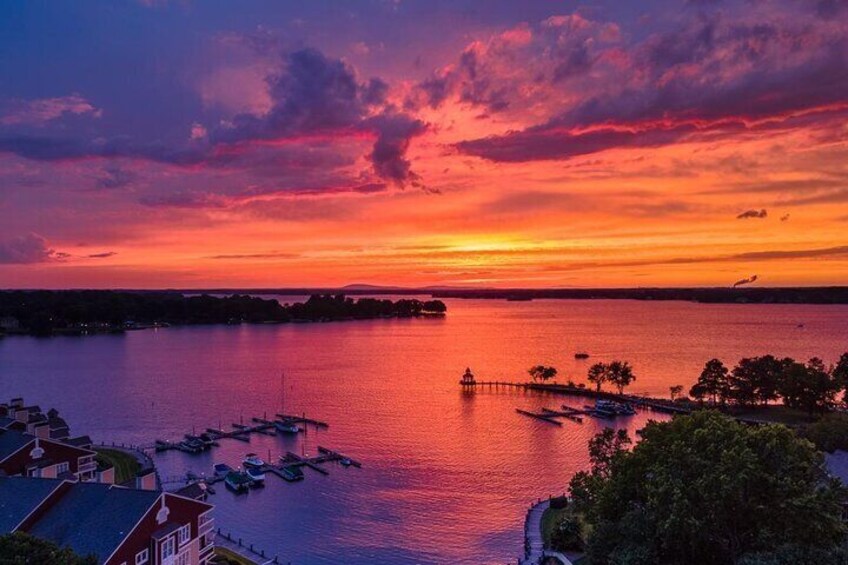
(581, 355)
(286, 426)
(345, 461)
(256, 475)
(252, 460)
(292, 473)
(611, 408)
(222, 469)
(237, 481)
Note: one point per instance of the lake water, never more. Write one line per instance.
(447, 475)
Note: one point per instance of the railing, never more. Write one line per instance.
(244, 549)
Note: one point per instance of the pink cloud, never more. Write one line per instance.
(38, 112)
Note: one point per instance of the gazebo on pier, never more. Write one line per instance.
(468, 378)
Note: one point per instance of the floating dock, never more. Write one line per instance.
(566, 412)
(239, 431)
(544, 417)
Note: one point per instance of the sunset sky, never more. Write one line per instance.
(193, 144)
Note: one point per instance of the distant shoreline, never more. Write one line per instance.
(45, 313)
(710, 295)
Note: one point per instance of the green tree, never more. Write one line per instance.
(675, 391)
(542, 373)
(706, 489)
(598, 375)
(829, 433)
(840, 375)
(713, 382)
(567, 534)
(809, 387)
(24, 549)
(620, 374)
(757, 379)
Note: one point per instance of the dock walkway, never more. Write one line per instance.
(534, 545)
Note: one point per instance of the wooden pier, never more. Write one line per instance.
(655, 404)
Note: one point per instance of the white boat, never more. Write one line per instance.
(345, 461)
(252, 460)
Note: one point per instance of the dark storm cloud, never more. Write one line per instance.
(312, 96)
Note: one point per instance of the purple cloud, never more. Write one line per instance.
(29, 248)
(719, 72)
(313, 97)
(38, 112)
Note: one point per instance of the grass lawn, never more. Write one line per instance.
(550, 519)
(224, 556)
(776, 413)
(126, 466)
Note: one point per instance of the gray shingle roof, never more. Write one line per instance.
(94, 518)
(11, 441)
(19, 496)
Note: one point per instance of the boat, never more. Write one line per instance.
(286, 426)
(207, 440)
(256, 475)
(600, 411)
(345, 461)
(193, 445)
(197, 442)
(292, 473)
(252, 460)
(581, 355)
(237, 481)
(611, 408)
(222, 470)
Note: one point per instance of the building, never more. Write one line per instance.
(9, 324)
(119, 526)
(32, 456)
(16, 415)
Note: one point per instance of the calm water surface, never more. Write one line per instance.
(447, 475)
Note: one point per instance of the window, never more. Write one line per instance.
(182, 558)
(185, 534)
(167, 550)
(62, 468)
(142, 557)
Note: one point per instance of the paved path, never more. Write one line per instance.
(533, 533)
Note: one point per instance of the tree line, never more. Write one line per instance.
(43, 312)
(617, 373)
(811, 386)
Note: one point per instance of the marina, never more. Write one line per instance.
(241, 432)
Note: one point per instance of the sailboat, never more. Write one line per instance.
(285, 426)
